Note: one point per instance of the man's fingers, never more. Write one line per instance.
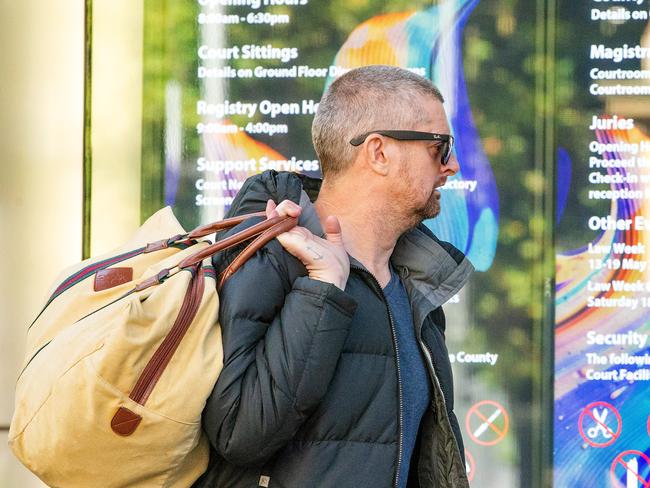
(270, 209)
(286, 207)
(333, 230)
(294, 239)
(325, 259)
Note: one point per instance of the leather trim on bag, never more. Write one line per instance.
(158, 362)
(233, 240)
(268, 235)
(112, 277)
(207, 229)
(156, 246)
(125, 421)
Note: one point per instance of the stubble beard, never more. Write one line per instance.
(417, 213)
(431, 208)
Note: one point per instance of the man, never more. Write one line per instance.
(335, 370)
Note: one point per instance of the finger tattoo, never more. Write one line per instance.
(315, 253)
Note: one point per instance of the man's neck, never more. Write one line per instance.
(369, 228)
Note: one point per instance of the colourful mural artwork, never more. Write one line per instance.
(428, 42)
(602, 326)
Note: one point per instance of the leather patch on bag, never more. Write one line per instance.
(111, 277)
(125, 421)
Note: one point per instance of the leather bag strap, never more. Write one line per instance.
(284, 225)
(207, 229)
(279, 224)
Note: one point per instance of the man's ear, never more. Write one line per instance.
(376, 156)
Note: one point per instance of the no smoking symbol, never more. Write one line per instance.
(487, 423)
(600, 424)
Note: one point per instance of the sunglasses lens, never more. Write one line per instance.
(446, 152)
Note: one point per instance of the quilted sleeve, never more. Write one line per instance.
(281, 342)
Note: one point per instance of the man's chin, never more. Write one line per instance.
(431, 211)
(433, 206)
(434, 213)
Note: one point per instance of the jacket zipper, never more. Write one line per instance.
(399, 376)
(429, 356)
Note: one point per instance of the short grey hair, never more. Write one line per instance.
(364, 99)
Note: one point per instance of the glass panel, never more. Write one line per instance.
(602, 395)
(230, 89)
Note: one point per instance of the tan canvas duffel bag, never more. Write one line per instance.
(122, 358)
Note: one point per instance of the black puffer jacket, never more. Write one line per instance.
(309, 396)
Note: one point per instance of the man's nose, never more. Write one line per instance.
(452, 167)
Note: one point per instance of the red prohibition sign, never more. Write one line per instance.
(471, 465)
(492, 418)
(599, 425)
(618, 460)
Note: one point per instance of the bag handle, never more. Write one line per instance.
(201, 231)
(284, 225)
(204, 230)
(278, 224)
(274, 226)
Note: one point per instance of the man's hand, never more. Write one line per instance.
(325, 259)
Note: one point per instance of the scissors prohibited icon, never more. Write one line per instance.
(600, 424)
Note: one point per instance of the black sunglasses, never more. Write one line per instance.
(446, 141)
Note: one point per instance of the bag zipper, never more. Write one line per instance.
(125, 421)
(93, 268)
(158, 362)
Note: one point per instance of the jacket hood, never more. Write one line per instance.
(432, 270)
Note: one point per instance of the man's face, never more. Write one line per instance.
(421, 170)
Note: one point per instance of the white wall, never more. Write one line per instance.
(41, 123)
(41, 160)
